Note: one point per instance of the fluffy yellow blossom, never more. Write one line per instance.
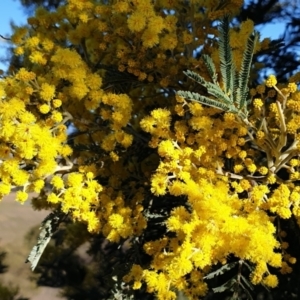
(44, 108)
(271, 81)
(136, 22)
(19, 51)
(168, 41)
(75, 179)
(37, 57)
(150, 38)
(263, 170)
(25, 75)
(187, 38)
(56, 103)
(32, 42)
(4, 189)
(166, 149)
(156, 23)
(292, 260)
(238, 168)
(38, 185)
(21, 196)
(159, 184)
(114, 156)
(271, 281)
(53, 198)
(292, 86)
(57, 182)
(242, 154)
(56, 116)
(257, 103)
(116, 221)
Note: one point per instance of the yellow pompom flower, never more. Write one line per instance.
(158, 184)
(150, 38)
(66, 150)
(292, 260)
(156, 23)
(57, 182)
(56, 103)
(238, 168)
(25, 75)
(136, 22)
(4, 189)
(38, 58)
(271, 81)
(44, 108)
(115, 221)
(166, 149)
(19, 51)
(75, 179)
(114, 156)
(20, 177)
(21, 196)
(251, 168)
(271, 281)
(32, 42)
(56, 116)
(263, 170)
(53, 198)
(292, 86)
(257, 103)
(168, 41)
(187, 38)
(170, 23)
(242, 154)
(83, 17)
(38, 185)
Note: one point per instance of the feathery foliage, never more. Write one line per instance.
(233, 97)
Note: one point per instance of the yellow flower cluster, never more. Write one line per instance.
(229, 200)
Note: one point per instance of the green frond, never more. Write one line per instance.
(222, 270)
(210, 67)
(245, 68)
(219, 94)
(212, 89)
(203, 100)
(48, 228)
(196, 77)
(225, 52)
(236, 95)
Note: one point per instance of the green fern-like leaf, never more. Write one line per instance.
(225, 52)
(234, 97)
(212, 89)
(48, 227)
(196, 77)
(228, 285)
(210, 67)
(245, 69)
(203, 99)
(221, 270)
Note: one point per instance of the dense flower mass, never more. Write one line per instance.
(92, 114)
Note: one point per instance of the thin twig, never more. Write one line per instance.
(5, 38)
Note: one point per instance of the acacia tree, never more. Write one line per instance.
(117, 124)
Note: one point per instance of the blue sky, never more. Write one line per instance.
(12, 11)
